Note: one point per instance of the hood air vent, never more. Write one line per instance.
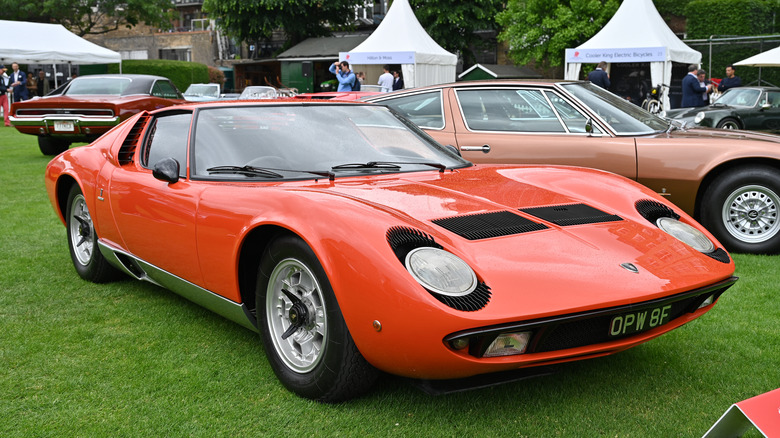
(571, 214)
(487, 225)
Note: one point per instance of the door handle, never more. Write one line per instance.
(485, 148)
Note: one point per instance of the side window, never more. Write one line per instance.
(167, 137)
(424, 109)
(165, 90)
(773, 98)
(512, 110)
(573, 119)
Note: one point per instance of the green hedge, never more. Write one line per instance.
(729, 17)
(671, 7)
(181, 73)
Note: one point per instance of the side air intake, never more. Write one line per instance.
(132, 141)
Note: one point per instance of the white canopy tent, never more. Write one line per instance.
(41, 43)
(770, 58)
(636, 33)
(400, 39)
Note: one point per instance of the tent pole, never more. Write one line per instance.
(56, 82)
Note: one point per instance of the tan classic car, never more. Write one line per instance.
(728, 180)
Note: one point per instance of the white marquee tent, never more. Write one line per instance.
(636, 33)
(770, 58)
(40, 43)
(400, 39)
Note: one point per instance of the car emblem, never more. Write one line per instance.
(630, 267)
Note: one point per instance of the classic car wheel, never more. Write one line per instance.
(52, 146)
(303, 331)
(728, 123)
(83, 241)
(741, 209)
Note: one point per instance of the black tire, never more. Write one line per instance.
(740, 208)
(83, 241)
(52, 146)
(318, 359)
(729, 123)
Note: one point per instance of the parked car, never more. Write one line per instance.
(258, 92)
(88, 106)
(203, 92)
(354, 243)
(729, 181)
(752, 108)
(337, 95)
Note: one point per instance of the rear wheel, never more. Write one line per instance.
(52, 146)
(728, 123)
(741, 209)
(303, 331)
(83, 241)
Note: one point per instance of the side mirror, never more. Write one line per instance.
(167, 170)
(452, 149)
(766, 105)
(589, 126)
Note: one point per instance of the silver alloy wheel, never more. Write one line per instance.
(730, 124)
(294, 298)
(750, 214)
(82, 231)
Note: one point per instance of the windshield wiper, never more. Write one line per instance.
(392, 165)
(245, 170)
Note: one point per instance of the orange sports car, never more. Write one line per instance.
(353, 242)
(727, 180)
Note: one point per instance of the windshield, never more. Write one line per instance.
(621, 115)
(259, 92)
(104, 86)
(294, 141)
(202, 90)
(740, 97)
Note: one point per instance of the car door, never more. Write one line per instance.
(156, 219)
(534, 125)
(766, 115)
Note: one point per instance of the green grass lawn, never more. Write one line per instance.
(131, 359)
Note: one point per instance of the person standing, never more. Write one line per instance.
(730, 81)
(18, 83)
(345, 77)
(702, 76)
(691, 89)
(398, 81)
(4, 82)
(386, 79)
(43, 84)
(599, 76)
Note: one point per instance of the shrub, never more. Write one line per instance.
(181, 73)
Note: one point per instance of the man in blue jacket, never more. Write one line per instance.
(345, 77)
(692, 89)
(18, 83)
(599, 76)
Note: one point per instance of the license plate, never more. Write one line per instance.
(639, 321)
(63, 126)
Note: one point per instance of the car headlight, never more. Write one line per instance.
(686, 234)
(699, 117)
(440, 271)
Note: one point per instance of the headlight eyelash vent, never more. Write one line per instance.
(402, 240)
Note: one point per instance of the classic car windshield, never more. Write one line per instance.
(258, 92)
(292, 141)
(739, 97)
(106, 86)
(203, 90)
(622, 116)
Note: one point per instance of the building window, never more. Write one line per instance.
(134, 54)
(176, 54)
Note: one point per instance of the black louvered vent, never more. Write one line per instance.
(403, 240)
(486, 225)
(653, 210)
(571, 214)
(133, 139)
(720, 255)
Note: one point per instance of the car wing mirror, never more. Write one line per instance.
(589, 126)
(766, 105)
(167, 170)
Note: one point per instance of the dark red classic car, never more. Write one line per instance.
(89, 106)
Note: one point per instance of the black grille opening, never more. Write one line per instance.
(487, 225)
(474, 301)
(571, 214)
(402, 240)
(133, 139)
(720, 255)
(653, 210)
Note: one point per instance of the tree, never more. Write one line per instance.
(454, 24)
(84, 17)
(254, 20)
(542, 30)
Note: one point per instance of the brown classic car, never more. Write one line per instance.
(88, 106)
(728, 180)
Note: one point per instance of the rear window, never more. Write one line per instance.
(108, 86)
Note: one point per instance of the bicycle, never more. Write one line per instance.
(652, 102)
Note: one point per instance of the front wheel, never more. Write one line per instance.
(52, 146)
(83, 241)
(303, 331)
(741, 209)
(728, 123)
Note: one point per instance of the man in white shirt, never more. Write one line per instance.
(4, 82)
(386, 80)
